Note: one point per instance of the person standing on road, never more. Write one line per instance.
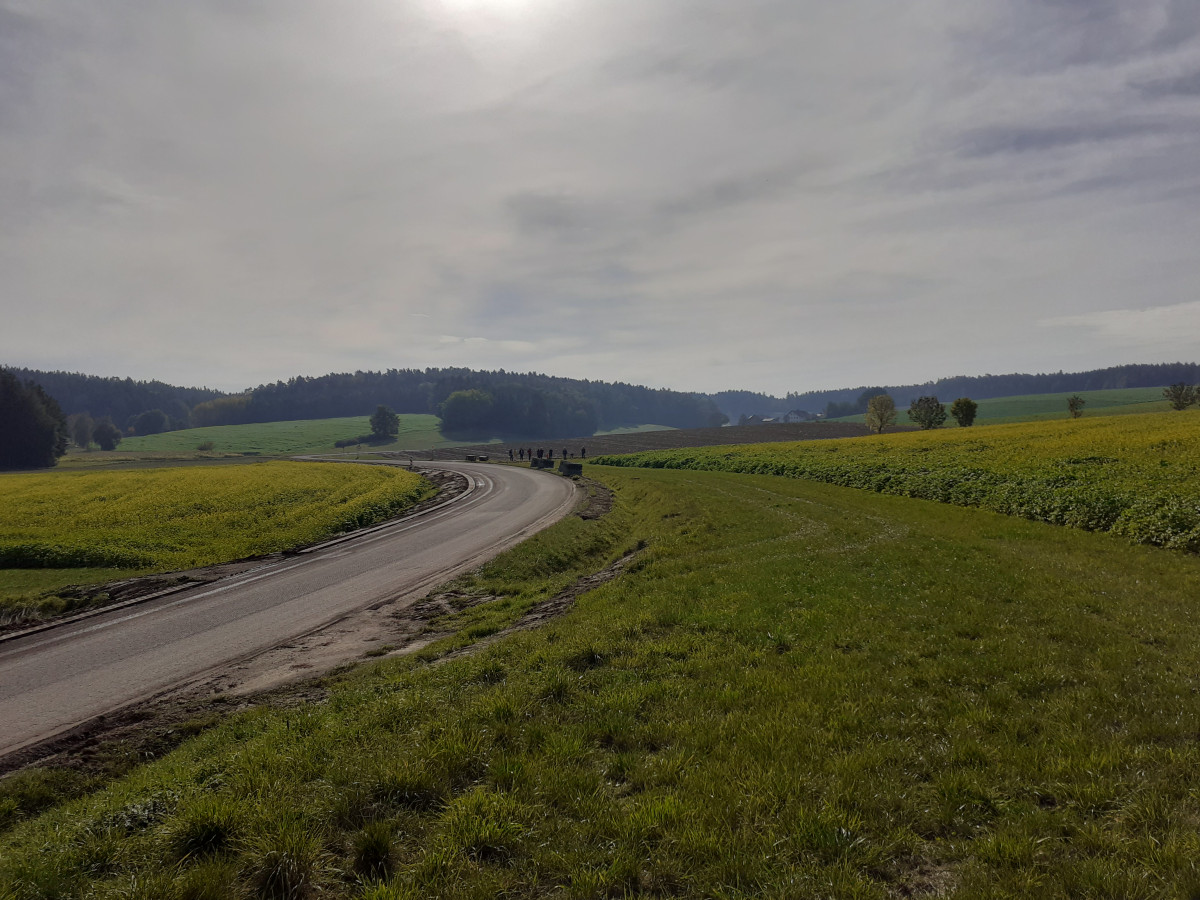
(583, 452)
(510, 455)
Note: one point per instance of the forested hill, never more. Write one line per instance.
(977, 387)
(469, 401)
(472, 402)
(121, 399)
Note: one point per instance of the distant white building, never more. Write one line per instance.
(796, 415)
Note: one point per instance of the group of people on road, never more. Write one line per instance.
(524, 453)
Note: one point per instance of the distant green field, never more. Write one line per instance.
(1037, 407)
(417, 432)
(634, 429)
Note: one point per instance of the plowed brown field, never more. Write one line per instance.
(598, 445)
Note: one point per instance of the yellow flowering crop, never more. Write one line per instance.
(1134, 475)
(178, 518)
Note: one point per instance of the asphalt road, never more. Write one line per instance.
(54, 680)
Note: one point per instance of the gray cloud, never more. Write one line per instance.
(600, 188)
(995, 140)
(1183, 85)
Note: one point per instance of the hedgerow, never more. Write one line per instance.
(1131, 475)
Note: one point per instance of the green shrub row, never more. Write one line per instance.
(1162, 517)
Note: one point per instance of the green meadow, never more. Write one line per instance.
(1042, 407)
(795, 689)
(417, 432)
(1133, 475)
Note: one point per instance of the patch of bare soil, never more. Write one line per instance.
(85, 600)
(596, 499)
(919, 878)
(612, 444)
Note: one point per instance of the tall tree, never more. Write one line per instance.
(1075, 406)
(1180, 395)
(81, 426)
(963, 409)
(384, 423)
(152, 421)
(106, 434)
(927, 412)
(33, 429)
(881, 412)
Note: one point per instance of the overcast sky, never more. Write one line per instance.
(777, 195)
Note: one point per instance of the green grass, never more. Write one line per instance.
(796, 690)
(417, 432)
(634, 429)
(1040, 407)
(1133, 475)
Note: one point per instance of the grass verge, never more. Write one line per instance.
(796, 690)
(1132, 475)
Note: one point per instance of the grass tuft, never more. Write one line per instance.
(206, 827)
(372, 851)
(286, 862)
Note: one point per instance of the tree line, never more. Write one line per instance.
(120, 399)
(469, 401)
(511, 403)
(853, 401)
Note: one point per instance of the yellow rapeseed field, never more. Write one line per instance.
(1134, 475)
(179, 518)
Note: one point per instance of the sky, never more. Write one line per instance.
(772, 195)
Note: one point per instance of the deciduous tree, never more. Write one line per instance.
(106, 434)
(963, 410)
(927, 412)
(81, 426)
(384, 423)
(152, 421)
(1075, 406)
(1180, 395)
(881, 412)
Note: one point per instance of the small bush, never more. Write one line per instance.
(207, 445)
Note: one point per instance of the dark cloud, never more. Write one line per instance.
(1182, 85)
(1032, 139)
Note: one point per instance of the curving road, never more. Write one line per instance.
(59, 678)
